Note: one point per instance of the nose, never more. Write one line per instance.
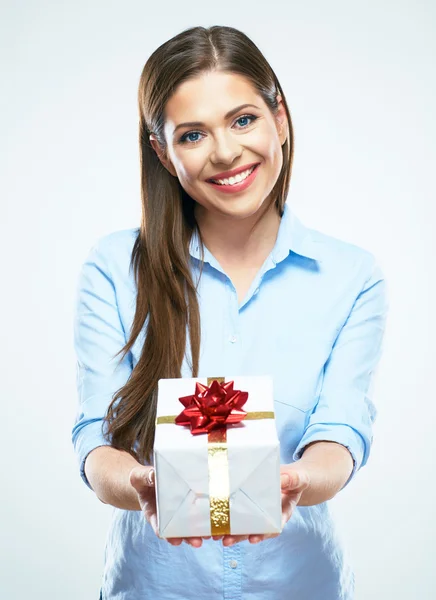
(225, 149)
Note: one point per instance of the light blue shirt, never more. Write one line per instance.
(314, 319)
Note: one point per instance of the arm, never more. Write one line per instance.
(108, 471)
(98, 336)
(338, 438)
(328, 466)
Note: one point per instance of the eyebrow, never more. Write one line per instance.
(226, 116)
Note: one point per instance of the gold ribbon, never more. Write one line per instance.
(218, 467)
(250, 416)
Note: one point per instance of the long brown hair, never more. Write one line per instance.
(166, 303)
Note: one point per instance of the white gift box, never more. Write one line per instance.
(251, 471)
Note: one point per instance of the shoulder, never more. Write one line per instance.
(111, 254)
(116, 241)
(115, 246)
(343, 257)
(348, 271)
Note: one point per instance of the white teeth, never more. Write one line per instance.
(237, 179)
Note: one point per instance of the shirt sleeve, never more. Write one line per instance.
(345, 411)
(98, 336)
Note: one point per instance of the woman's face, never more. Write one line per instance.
(223, 139)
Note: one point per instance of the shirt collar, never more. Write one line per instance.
(293, 236)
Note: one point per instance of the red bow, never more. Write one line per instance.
(212, 407)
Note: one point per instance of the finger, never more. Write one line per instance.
(290, 480)
(285, 481)
(229, 540)
(287, 509)
(286, 515)
(195, 542)
(290, 498)
(152, 519)
(295, 480)
(175, 541)
(255, 539)
(149, 508)
(141, 477)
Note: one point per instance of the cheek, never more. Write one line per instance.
(266, 144)
(186, 163)
(276, 156)
(190, 170)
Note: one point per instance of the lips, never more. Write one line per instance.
(227, 174)
(238, 187)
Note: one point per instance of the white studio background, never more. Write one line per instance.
(360, 82)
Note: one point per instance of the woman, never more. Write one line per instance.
(224, 278)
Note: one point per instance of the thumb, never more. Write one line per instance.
(141, 477)
(290, 480)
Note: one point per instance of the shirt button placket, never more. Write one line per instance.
(233, 335)
(232, 572)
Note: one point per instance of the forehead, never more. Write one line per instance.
(209, 96)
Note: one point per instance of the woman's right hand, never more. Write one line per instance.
(142, 479)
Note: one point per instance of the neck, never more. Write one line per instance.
(239, 241)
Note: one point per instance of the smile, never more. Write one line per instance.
(237, 183)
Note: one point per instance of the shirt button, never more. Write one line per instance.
(233, 339)
(233, 564)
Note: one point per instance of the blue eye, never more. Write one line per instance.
(244, 117)
(185, 137)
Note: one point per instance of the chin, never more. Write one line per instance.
(235, 212)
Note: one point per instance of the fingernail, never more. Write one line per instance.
(150, 477)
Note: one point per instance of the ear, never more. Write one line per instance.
(281, 121)
(162, 155)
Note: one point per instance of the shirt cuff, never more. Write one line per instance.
(341, 434)
(88, 438)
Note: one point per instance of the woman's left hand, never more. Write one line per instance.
(294, 480)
